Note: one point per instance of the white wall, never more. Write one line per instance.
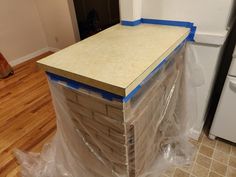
(31, 27)
(21, 31)
(57, 22)
(208, 15)
(130, 10)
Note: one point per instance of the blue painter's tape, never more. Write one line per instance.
(165, 22)
(192, 33)
(110, 96)
(174, 23)
(131, 94)
(154, 71)
(128, 97)
(131, 23)
(78, 85)
(105, 94)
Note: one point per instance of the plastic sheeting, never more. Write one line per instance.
(101, 138)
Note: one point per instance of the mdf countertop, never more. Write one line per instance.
(117, 59)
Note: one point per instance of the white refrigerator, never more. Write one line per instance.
(224, 122)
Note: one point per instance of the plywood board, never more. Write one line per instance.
(117, 59)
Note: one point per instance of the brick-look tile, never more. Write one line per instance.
(180, 173)
(115, 113)
(231, 172)
(200, 171)
(233, 150)
(223, 147)
(213, 174)
(218, 167)
(204, 161)
(76, 108)
(221, 156)
(111, 123)
(206, 141)
(91, 104)
(70, 94)
(232, 161)
(207, 151)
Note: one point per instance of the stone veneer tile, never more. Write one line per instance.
(200, 171)
(231, 172)
(206, 141)
(218, 167)
(203, 160)
(201, 137)
(213, 174)
(211, 161)
(187, 168)
(162, 175)
(180, 173)
(223, 147)
(207, 151)
(170, 171)
(194, 142)
(221, 156)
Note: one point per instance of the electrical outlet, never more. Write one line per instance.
(56, 39)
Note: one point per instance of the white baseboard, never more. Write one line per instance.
(194, 134)
(196, 131)
(32, 55)
(211, 39)
(52, 49)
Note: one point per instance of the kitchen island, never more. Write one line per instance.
(115, 96)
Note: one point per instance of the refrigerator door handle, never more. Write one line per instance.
(232, 85)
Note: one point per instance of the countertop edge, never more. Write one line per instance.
(108, 87)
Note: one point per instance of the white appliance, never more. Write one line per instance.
(224, 123)
(212, 18)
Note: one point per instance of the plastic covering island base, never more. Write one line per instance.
(97, 137)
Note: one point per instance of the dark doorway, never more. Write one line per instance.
(96, 15)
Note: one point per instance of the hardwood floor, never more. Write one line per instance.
(27, 118)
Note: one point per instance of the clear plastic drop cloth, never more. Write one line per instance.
(97, 137)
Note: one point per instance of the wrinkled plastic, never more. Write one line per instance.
(109, 138)
(194, 78)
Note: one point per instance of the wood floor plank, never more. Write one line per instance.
(27, 118)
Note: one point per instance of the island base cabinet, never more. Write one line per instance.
(105, 138)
